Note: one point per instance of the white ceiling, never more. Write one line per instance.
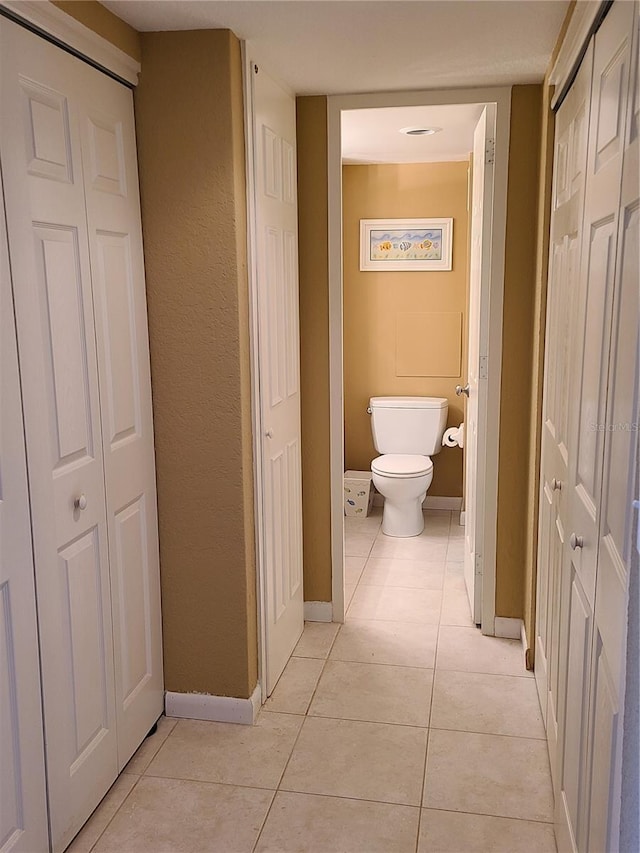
(372, 135)
(350, 46)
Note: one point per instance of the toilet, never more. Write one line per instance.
(407, 431)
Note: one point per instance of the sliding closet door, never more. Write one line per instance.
(23, 810)
(42, 164)
(115, 240)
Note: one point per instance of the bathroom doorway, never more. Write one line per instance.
(362, 138)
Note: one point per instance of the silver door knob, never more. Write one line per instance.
(460, 390)
(269, 433)
(575, 542)
(80, 502)
(556, 485)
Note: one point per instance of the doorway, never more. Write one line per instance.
(496, 105)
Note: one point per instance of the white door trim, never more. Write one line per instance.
(52, 21)
(585, 16)
(501, 97)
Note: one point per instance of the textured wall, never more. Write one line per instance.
(380, 342)
(191, 154)
(314, 345)
(94, 16)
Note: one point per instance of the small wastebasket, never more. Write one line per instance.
(358, 493)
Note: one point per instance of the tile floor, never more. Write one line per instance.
(402, 730)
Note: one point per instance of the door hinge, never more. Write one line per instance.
(478, 566)
(490, 152)
(483, 372)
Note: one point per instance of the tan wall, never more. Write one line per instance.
(191, 154)
(94, 16)
(404, 322)
(314, 351)
(519, 296)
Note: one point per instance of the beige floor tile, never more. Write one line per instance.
(99, 820)
(179, 816)
(349, 590)
(316, 639)
(396, 604)
(367, 761)
(493, 704)
(305, 823)
(150, 745)
(395, 643)
(369, 524)
(467, 650)
(295, 686)
(456, 609)
(353, 567)
(453, 832)
(416, 574)
(423, 547)
(358, 543)
(225, 752)
(455, 549)
(488, 774)
(372, 692)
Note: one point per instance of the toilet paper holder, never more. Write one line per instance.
(454, 436)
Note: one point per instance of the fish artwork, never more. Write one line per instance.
(405, 246)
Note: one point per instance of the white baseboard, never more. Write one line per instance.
(318, 611)
(435, 502)
(430, 502)
(463, 516)
(509, 628)
(219, 709)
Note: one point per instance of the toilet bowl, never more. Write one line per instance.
(403, 481)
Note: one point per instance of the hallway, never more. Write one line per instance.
(403, 730)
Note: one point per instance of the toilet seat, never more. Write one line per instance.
(402, 466)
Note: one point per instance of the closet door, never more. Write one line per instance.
(117, 271)
(42, 162)
(23, 810)
(570, 159)
(590, 387)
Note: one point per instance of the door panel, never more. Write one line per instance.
(277, 288)
(23, 815)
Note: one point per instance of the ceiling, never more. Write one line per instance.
(373, 135)
(351, 46)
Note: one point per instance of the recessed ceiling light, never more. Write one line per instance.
(420, 131)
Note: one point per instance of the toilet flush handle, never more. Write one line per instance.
(368, 410)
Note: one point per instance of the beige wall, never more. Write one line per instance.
(94, 16)
(388, 315)
(314, 352)
(191, 152)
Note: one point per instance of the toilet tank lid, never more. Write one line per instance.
(409, 402)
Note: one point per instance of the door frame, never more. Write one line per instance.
(501, 97)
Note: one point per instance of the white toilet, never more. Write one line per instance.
(407, 431)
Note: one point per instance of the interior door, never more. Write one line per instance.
(570, 158)
(117, 271)
(41, 155)
(276, 230)
(581, 646)
(476, 408)
(23, 809)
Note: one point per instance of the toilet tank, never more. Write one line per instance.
(408, 424)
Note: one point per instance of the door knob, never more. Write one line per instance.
(80, 502)
(556, 485)
(575, 542)
(460, 390)
(269, 433)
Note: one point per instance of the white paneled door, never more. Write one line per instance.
(476, 408)
(276, 262)
(68, 159)
(23, 814)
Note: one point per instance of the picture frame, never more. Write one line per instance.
(405, 245)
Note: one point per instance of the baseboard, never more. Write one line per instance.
(318, 611)
(435, 502)
(430, 502)
(463, 516)
(509, 628)
(219, 709)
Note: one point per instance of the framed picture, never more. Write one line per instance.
(405, 244)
